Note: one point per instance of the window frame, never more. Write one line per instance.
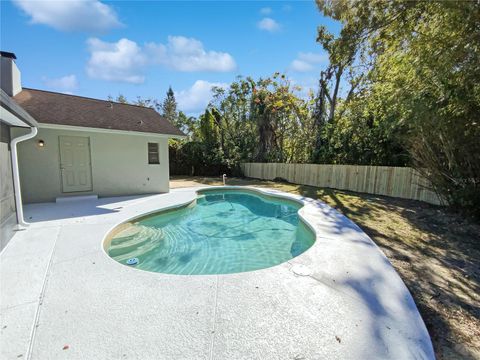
(153, 156)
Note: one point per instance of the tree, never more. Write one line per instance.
(186, 123)
(120, 99)
(423, 82)
(208, 131)
(147, 102)
(344, 68)
(278, 113)
(250, 119)
(346, 77)
(169, 107)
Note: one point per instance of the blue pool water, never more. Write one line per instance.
(225, 231)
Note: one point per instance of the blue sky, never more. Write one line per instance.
(99, 48)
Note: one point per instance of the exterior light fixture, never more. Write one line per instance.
(41, 143)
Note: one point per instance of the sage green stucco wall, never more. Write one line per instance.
(119, 165)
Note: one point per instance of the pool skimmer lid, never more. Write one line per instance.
(132, 261)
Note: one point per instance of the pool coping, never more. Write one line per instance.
(115, 228)
(339, 299)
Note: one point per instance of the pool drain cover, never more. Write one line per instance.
(132, 261)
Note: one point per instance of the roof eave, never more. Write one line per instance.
(12, 107)
(114, 131)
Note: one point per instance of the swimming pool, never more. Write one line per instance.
(224, 231)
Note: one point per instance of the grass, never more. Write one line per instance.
(435, 251)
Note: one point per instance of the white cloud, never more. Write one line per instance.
(188, 54)
(197, 97)
(266, 11)
(72, 15)
(120, 61)
(268, 24)
(66, 84)
(301, 66)
(306, 61)
(126, 61)
(312, 57)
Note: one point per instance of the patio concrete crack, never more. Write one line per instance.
(212, 344)
(330, 283)
(33, 332)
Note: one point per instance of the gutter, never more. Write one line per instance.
(21, 224)
(108, 131)
(26, 121)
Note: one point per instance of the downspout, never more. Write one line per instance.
(21, 224)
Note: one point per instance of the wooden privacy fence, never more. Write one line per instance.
(401, 182)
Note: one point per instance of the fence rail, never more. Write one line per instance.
(401, 182)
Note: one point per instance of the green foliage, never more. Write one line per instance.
(262, 120)
(401, 87)
(169, 107)
(421, 87)
(437, 92)
(186, 123)
(120, 99)
(208, 130)
(360, 137)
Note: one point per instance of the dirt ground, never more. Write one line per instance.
(435, 251)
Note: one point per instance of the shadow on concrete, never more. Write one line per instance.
(40, 212)
(435, 251)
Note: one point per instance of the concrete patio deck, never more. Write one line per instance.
(62, 297)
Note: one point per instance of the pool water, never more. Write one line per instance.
(224, 231)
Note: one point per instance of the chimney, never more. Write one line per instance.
(10, 75)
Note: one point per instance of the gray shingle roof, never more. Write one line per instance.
(62, 109)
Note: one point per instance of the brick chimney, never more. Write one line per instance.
(10, 75)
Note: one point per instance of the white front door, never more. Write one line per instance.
(75, 163)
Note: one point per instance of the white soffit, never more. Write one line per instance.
(11, 119)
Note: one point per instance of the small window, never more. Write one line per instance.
(153, 157)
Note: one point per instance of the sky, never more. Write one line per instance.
(139, 48)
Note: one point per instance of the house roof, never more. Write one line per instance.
(13, 114)
(61, 109)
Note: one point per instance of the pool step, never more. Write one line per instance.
(135, 241)
(64, 199)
